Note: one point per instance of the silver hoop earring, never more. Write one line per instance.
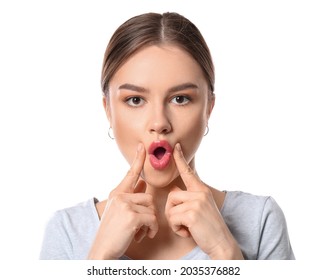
(109, 133)
(207, 130)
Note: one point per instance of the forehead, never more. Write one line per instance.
(155, 66)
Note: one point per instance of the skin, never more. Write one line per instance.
(160, 93)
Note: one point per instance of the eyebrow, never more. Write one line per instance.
(133, 88)
(182, 87)
(170, 90)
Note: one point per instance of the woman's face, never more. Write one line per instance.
(159, 97)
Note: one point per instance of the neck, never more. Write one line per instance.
(163, 192)
(160, 194)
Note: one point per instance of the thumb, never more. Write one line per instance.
(175, 189)
(127, 185)
(140, 186)
(174, 197)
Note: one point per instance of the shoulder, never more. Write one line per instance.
(71, 214)
(244, 198)
(252, 210)
(242, 203)
(258, 224)
(69, 232)
(77, 217)
(85, 208)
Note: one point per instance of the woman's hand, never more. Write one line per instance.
(129, 214)
(194, 213)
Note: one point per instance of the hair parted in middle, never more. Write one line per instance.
(155, 29)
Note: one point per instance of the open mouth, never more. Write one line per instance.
(160, 153)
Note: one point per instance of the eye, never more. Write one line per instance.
(135, 101)
(180, 100)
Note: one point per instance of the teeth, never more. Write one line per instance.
(159, 152)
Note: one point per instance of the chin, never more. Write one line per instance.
(159, 178)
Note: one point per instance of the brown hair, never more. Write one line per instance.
(155, 29)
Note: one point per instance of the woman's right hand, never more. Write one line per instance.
(129, 215)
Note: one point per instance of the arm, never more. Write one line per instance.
(274, 238)
(56, 244)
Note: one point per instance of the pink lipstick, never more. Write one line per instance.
(160, 153)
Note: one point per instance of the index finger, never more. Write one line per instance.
(130, 180)
(187, 174)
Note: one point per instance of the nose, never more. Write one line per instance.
(159, 121)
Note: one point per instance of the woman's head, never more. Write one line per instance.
(158, 82)
(156, 29)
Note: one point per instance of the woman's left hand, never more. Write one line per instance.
(194, 213)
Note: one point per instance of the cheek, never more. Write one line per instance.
(127, 133)
(192, 131)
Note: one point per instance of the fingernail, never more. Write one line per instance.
(140, 147)
(178, 147)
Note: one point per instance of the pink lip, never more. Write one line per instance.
(161, 162)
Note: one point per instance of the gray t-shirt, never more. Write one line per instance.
(256, 222)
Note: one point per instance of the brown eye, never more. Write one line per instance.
(135, 101)
(180, 100)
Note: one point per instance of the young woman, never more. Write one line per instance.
(158, 86)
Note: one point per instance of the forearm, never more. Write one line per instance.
(97, 252)
(227, 249)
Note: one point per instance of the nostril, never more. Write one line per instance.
(164, 131)
(161, 127)
(161, 131)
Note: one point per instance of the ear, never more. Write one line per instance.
(211, 103)
(106, 105)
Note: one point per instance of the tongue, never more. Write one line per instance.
(159, 152)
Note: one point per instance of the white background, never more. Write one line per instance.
(267, 131)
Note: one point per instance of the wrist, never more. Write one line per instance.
(99, 255)
(227, 252)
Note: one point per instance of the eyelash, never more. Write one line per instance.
(188, 99)
(129, 100)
